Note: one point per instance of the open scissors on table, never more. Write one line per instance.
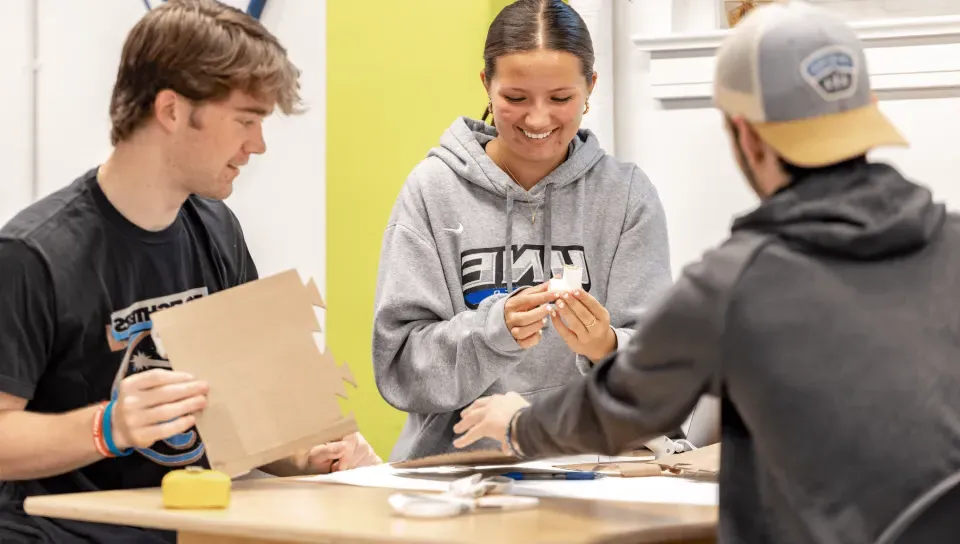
(464, 496)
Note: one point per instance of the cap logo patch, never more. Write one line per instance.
(832, 72)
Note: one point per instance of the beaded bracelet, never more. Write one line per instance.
(98, 431)
(108, 433)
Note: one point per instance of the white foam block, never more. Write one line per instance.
(572, 279)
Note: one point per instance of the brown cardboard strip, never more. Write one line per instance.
(465, 458)
(705, 459)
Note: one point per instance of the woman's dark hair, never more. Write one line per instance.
(528, 25)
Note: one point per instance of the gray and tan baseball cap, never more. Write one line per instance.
(799, 76)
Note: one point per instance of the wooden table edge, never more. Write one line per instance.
(54, 506)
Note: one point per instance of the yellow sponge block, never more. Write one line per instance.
(195, 487)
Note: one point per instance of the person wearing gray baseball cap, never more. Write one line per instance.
(793, 84)
(822, 322)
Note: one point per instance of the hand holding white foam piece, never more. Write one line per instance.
(572, 279)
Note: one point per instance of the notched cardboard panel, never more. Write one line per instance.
(705, 459)
(272, 390)
(464, 458)
(315, 296)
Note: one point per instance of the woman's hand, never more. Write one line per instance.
(584, 324)
(351, 451)
(526, 314)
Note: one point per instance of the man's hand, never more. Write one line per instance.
(526, 314)
(155, 405)
(488, 417)
(352, 451)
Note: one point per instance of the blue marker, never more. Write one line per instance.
(572, 475)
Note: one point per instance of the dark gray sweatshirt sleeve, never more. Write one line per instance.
(650, 386)
(426, 357)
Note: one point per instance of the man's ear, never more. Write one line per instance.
(754, 149)
(165, 109)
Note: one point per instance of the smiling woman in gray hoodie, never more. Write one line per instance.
(491, 215)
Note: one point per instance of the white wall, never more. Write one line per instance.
(680, 143)
(15, 95)
(280, 197)
(598, 16)
(878, 9)
(282, 203)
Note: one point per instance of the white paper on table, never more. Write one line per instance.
(416, 479)
(490, 470)
(382, 476)
(436, 478)
(651, 489)
(597, 459)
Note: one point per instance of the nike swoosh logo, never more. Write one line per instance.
(458, 230)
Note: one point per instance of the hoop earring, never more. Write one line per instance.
(586, 110)
(488, 112)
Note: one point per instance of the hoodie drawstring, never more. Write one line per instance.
(547, 244)
(508, 250)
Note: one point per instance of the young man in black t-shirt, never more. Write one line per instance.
(82, 269)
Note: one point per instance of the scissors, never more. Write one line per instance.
(465, 495)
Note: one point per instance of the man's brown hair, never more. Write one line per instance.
(202, 50)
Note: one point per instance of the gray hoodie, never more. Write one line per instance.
(828, 325)
(440, 340)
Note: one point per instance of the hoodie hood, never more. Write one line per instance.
(462, 148)
(855, 210)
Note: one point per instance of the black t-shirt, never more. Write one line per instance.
(78, 283)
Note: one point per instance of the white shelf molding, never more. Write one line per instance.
(903, 55)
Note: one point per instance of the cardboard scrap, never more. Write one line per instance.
(464, 458)
(496, 457)
(705, 459)
(272, 390)
(702, 464)
(638, 470)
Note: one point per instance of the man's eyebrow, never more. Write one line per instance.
(254, 109)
